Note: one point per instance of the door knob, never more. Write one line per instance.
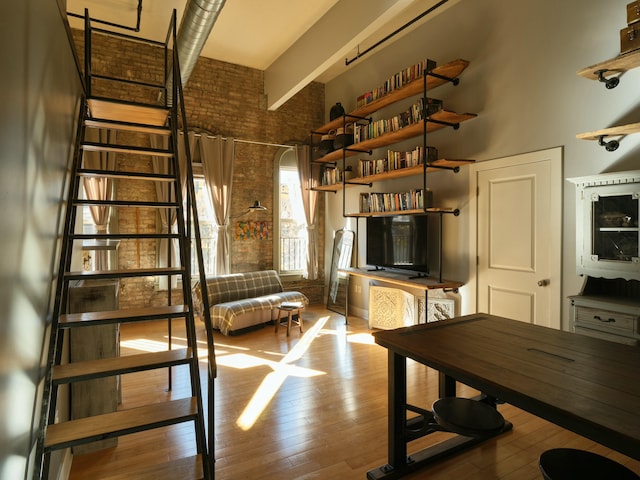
(543, 283)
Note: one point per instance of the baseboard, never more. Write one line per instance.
(359, 312)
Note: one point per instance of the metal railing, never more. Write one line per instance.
(293, 251)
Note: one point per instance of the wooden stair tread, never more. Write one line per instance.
(112, 316)
(105, 147)
(127, 203)
(143, 272)
(126, 126)
(128, 112)
(123, 422)
(180, 469)
(104, 367)
(156, 177)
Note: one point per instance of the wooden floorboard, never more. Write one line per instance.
(314, 408)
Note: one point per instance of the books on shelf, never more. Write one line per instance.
(395, 82)
(396, 161)
(332, 175)
(413, 114)
(395, 202)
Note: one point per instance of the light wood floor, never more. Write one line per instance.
(311, 406)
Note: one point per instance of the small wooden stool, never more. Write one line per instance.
(569, 463)
(291, 308)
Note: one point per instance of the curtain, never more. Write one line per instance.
(100, 188)
(169, 254)
(309, 202)
(217, 156)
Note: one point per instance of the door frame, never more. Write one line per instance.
(556, 156)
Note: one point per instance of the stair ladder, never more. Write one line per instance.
(136, 119)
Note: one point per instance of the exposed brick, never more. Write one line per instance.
(224, 99)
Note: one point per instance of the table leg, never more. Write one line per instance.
(446, 386)
(399, 463)
(397, 398)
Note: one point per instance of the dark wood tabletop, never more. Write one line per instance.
(587, 385)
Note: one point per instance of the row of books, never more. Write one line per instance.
(394, 202)
(395, 82)
(412, 115)
(331, 175)
(396, 161)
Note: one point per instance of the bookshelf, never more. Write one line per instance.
(440, 119)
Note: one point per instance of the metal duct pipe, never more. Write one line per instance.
(196, 24)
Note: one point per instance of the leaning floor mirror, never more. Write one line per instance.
(339, 281)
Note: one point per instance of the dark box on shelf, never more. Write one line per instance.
(630, 38)
(633, 12)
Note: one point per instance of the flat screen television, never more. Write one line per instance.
(398, 241)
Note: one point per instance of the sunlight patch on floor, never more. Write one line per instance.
(363, 338)
(144, 345)
(274, 380)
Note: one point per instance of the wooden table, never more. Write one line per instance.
(587, 385)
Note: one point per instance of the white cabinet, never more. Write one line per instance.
(607, 225)
(617, 320)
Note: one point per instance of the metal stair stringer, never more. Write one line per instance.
(135, 119)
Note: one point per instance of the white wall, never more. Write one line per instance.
(40, 98)
(522, 83)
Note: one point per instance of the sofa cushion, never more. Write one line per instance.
(238, 286)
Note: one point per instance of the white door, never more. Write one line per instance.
(519, 211)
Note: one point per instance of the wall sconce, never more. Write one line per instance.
(255, 207)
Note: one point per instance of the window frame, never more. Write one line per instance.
(283, 153)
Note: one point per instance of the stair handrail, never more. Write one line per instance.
(178, 108)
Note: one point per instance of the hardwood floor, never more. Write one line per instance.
(311, 406)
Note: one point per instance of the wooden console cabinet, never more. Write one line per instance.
(101, 395)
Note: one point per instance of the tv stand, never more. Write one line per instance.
(419, 282)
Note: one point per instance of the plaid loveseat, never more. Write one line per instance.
(241, 300)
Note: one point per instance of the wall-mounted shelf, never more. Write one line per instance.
(416, 211)
(440, 164)
(438, 76)
(608, 71)
(618, 131)
(437, 121)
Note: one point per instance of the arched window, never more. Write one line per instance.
(290, 241)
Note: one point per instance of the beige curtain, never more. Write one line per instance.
(100, 188)
(217, 155)
(169, 254)
(309, 202)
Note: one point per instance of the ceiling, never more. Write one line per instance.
(294, 42)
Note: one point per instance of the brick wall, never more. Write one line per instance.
(223, 99)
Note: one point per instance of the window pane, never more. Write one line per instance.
(293, 231)
(208, 228)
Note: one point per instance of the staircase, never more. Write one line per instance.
(135, 121)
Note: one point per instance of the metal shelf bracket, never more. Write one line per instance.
(611, 82)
